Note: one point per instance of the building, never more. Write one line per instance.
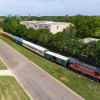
(86, 40)
(54, 27)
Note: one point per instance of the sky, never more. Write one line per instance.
(49, 7)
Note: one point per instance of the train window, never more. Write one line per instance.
(54, 58)
(96, 74)
(41, 52)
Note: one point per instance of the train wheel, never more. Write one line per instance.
(83, 73)
(69, 68)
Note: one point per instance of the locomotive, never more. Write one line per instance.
(72, 64)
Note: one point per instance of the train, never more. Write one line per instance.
(70, 63)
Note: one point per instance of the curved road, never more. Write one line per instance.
(38, 83)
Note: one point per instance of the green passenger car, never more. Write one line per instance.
(57, 58)
(17, 40)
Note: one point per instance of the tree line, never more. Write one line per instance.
(66, 43)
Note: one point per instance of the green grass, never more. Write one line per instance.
(2, 66)
(97, 33)
(85, 87)
(11, 90)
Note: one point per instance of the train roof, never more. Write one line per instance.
(34, 45)
(85, 65)
(15, 37)
(7, 34)
(57, 55)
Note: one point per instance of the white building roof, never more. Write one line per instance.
(86, 40)
(44, 22)
(34, 45)
(57, 55)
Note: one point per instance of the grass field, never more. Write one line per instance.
(85, 87)
(11, 90)
(2, 66)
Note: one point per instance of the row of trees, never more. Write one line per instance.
(85, 26)
(40, 36)
(66, 43)
(48, 18)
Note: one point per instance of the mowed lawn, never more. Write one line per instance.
(88, 89)
(11, 90)
(2, 66)
(9, 87)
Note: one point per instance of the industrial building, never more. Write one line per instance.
(54, 27)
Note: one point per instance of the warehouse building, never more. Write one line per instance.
(54, 27)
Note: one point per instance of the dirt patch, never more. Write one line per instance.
(2, 97)
(89, 86)
(65, 79)
(9, 97)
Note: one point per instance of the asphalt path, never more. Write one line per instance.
(38, 83)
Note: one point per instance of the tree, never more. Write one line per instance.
(10, 24)
(74, 46)
(72, 31)
(85, 26)
(43, 36)
(92, 50)
(20, 31)
(59, 40)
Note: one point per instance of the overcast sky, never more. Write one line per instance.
(49, 7)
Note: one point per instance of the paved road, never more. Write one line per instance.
(39, 84)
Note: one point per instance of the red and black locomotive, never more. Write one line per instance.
(85, 69)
